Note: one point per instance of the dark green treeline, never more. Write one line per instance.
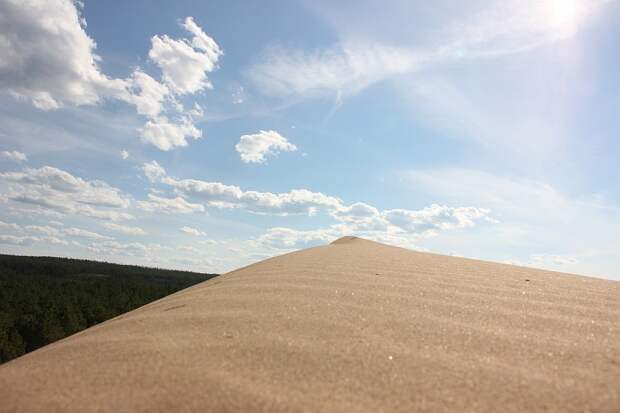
(43, 299)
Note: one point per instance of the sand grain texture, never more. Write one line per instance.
(354, 326)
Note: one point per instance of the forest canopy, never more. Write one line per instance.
(44, 299)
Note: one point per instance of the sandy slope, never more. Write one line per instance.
(354, 326)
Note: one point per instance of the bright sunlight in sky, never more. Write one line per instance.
(209, 135)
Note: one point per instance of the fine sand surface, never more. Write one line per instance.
(354, 326)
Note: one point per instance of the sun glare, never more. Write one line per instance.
(565, 15)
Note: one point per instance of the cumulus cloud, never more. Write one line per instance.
(52, 188)
(435, 218)
(48, 58)
(281, 238)
(14, 156)
(124, 154)
(296, 201)
(357, 216)
(216, 194)
(127, 230)
(398, 226)
(193, 231)
(393, 226)
(185, 63)
(167, 134)
(146, 94)
(254, 148)
(360, 217)
(153, 171)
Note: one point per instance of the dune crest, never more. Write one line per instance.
(354, 326)
(347, 240)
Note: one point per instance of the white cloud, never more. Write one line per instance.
(397, 226)
(146, 94)
(296, 201)
(176, 205)
(254, 148)
(124, 154)
(289, 239)
(52, 188)
(14, 156)
(185, 63)
(53, 181)
(188, 248)
(82, 233)
(486, 29)
(135, 249)
(166, 134)
(516, 26)
(105, 214)
(153, 171)
(525, 198)
(18, 240)
(434, 218)
(9, 226)
(193, 231)
(357, 217)
(21, 211)
(341, 69)
(47, 230)
(216, 194)
(400, 227)
(124, 229)
(542, 259)
(48, 58)
(50, 235)
(360, 217)
(536, 219)
(238, 95)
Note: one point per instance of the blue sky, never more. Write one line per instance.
(207, 136)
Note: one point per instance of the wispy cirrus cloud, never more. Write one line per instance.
(486, 29)
(14, 156)
(343, 68)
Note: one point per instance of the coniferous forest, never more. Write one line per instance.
(43, 299)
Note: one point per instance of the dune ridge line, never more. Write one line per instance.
(351, 326)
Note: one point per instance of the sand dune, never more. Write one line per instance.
(354, 326)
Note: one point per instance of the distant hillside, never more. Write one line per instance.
(43, 299)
